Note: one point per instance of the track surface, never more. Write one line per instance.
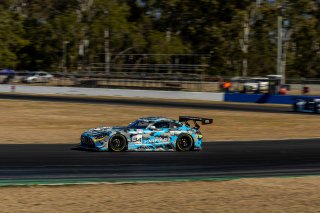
(216, 160)
(145, 102)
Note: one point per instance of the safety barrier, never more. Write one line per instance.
(47, 90)
(263, 98)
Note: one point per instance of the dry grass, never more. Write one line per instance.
(244, 195)
(49, 122)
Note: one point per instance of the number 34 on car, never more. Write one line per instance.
(148, 134)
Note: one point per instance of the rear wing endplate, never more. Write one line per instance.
(203, 121)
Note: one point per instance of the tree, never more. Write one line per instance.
(11, 37)
(304, 55)
(46, 29)
(234, 33)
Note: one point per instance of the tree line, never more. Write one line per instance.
(240, 37)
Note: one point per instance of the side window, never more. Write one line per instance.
(162, 125)
(142, 125)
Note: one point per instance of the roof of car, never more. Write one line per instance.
(155, 119)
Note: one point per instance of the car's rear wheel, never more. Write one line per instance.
(117, 143)
(184, 143)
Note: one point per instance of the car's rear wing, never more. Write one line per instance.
(203, 121)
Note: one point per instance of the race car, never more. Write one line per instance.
(307, 105)
(147, 134)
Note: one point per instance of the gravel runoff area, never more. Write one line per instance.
(47, 122)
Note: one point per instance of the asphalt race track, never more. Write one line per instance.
(216, 160)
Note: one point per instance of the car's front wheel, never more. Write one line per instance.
(184, 143)
(117, 143)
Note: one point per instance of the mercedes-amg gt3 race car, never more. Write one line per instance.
(307, 105)
(147, 134)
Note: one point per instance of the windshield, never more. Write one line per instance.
(139, 124)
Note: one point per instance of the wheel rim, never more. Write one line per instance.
(184, 143)
(117, 144)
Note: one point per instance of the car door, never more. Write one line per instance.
(161, 132)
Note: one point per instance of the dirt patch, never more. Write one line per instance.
(50, 122)
(244, 195)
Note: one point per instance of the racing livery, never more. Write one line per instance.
(307, 105)
(147, 134)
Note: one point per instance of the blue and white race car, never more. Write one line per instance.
(147, 134)
(307, 105)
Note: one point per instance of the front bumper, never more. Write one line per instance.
(90, 143)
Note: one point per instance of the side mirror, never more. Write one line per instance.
(152, 127)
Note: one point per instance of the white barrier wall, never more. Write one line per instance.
(43, 90)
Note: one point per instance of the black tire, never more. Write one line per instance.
(184, 143)
(117, 143)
